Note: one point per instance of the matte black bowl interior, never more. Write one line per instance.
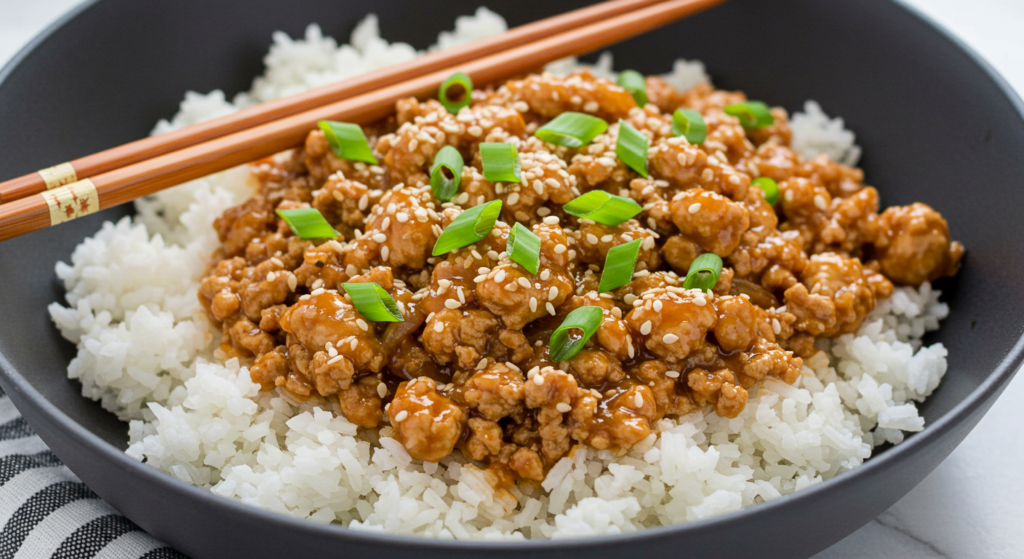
(936, 123)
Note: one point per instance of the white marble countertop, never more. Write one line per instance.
(971, 506)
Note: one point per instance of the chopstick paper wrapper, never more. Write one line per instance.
(71, 201)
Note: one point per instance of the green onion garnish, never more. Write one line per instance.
(631, 148)
(373, 302)
(619, 265)
(704, 272)
(599, 206)
(460, 96)
(752, 114)
(308, 223)
(501, 162)
(690, 125)
(524, 247)
(446, 174)
(586, 319)
(769, 187)
(572, 130)
(633, 82)
(469, 227)
(347, 141)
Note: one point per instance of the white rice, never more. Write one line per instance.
(146, 351)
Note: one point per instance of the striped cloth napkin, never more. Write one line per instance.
(47, 512)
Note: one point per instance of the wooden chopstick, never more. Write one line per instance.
(134, 152)
(146, 177)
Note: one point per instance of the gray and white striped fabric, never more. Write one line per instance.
(47, 512)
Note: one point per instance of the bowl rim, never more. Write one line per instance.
(978, 397)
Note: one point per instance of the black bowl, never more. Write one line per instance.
(937, 125)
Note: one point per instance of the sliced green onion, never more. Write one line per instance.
(564, 346)
(469, 227)
(460, 96)
(308, 223)
(704, 272)
(373, 302)
(524, 247)
(619, 265)
(634, 82)
(347, 141)
(599, 206)
(769, 187)
(446, 174)
(690, 125)
(752, 114)
(501, 162)
(572, 130)
(631, 148)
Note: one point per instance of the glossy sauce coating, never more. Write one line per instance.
(469, 368)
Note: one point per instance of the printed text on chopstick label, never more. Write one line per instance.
(71, 201)
(58, 175)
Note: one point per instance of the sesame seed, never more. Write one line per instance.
(533, 304)
(462, 296)
(638, 399)
(318, 291)
(672, 374)
(513, 198)
(271, 276)
(538, 380)
(482, 364)
(645, 328)
(629, 298)
(820, 202)
(331, 351)
(452, 304)
(544, 275)
(439, 326)
(362, 324)
(524, 282)
(591, 107)
(592, 238)
(657, 305)
(617, 312)
(552, 293)
(476, 255)
(401, 416)
(363, 202)
(293, 282)
(384, 251)
(500, 276)
(550, 308)
(318, 283)
(695, 207)
(670, 338)
(335, 359)
(379, 237)
(480, 278)
(607, 238)
(551, 220)
(382, 390)
(788, 196)
(563, 407)
(352, 345)
(700, 301)
(776, 327)
(559, 248)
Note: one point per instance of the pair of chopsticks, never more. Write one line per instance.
(115, 176)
